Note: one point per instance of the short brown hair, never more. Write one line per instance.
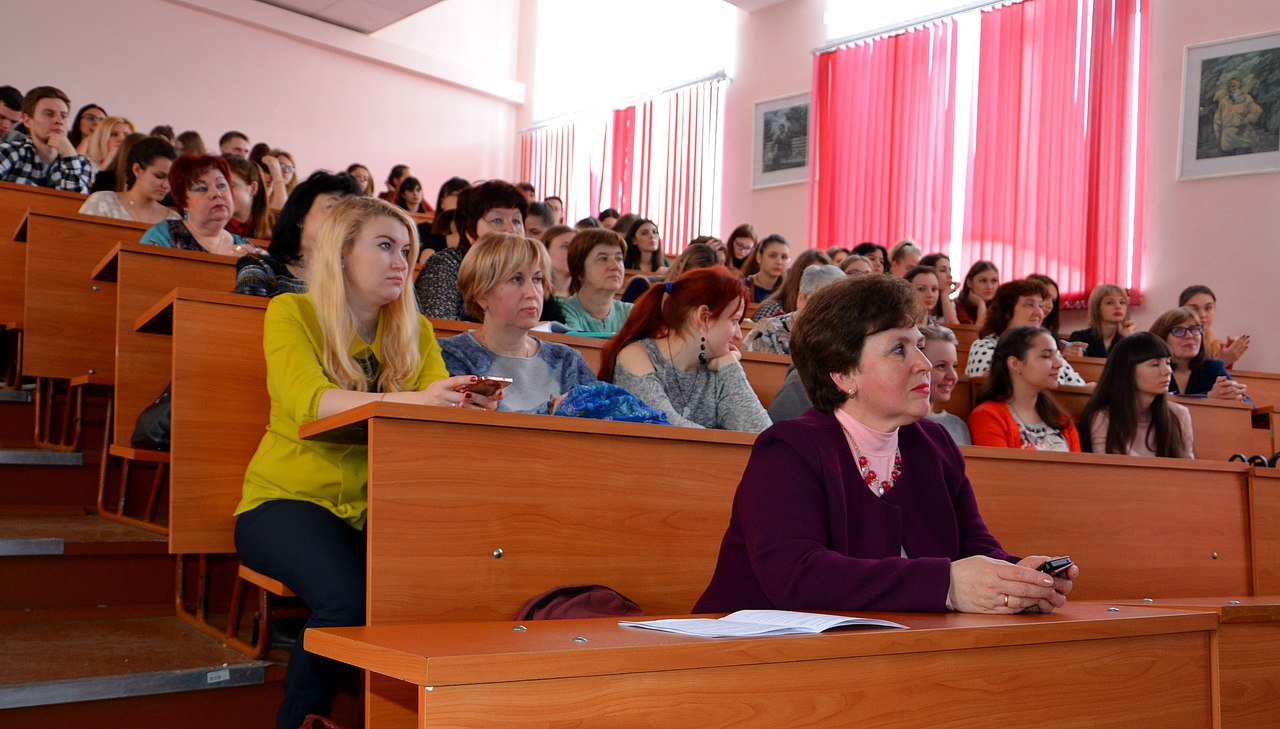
(493, 258)
(581, 246)
(40, 93)
(1000, 310)
(837, 319)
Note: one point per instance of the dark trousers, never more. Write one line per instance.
(322, 559)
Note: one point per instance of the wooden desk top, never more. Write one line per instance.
(158, 319)
(1231, 609)
(108, 269)
(446, 654)
(128, 225)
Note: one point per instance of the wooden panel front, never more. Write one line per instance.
(220, 410)
(69, 319)
(1249, 671)
(143, 360)
(1264, 515)
(1264, 387)
(15, 201)
(1138, 527)
(561, 501)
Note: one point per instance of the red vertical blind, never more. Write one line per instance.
(659, 159)
(1052, 184)
(886, 129)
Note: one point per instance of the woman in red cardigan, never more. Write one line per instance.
(1015, 408)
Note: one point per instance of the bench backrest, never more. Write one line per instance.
(15, 201)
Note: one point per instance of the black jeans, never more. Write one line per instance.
(322, 559)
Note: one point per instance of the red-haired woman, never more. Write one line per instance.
(200, 187)
(677, 352)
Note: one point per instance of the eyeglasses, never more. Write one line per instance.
(94, 118)
(1191, 331)
(288, 168)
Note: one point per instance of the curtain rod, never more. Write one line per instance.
(900, 28)
(629, 101)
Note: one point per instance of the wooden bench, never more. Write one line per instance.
(15, 202)
(765, 372)
(1137, 667)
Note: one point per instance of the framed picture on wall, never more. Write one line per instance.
(780, 144)
(1231, 107)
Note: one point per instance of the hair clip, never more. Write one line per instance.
(670, 285)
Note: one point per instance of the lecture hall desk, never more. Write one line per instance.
(1084, 666)
(15, 201)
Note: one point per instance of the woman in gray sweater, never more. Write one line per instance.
(677, 352)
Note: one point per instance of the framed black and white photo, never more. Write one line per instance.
(780, 152)
(1231, 107)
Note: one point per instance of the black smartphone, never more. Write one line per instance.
(1056, 567)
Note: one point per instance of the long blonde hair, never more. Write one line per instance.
(96, 147)
(399, 357)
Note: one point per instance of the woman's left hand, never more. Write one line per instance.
(733, 355)
(1061, 584)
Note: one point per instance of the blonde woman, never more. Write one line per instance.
(1108, 321)
(100, 147)
(503, 282)
(356, 337)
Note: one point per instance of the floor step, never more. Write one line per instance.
(7, 395)
(66, 562)
(60, 487)
(58, 663)
(39, 457)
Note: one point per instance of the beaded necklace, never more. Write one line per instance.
(869, 475)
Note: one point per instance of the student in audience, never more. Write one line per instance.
(607, 218)
(540, 218)
(502, 281)
(980, 285)
(164, 131)
(940, 347)
(283, 270)
(288, 169)
(803, 536)
(363, 176)
(1016, 408)
(11, 114)
(113, 178)
(46, 158)
(876, 253)
(148, 183)
(236, 143)
(249, 215)
(837, 254)
(1129, 413)
(904, 257)
(439, 234)
(924, 281)
(717, 245)
(190, 142)
(529, 191)
(201, 189)
(355, 338)
(447, 196)
(676, 353)
(557, 239)
(857, 265)
(1108, 321)
(766, 266)
(1016, 303)
(394, 178)
(644, 247)
(945, 311)
(270, 174)
(1194, 372)
(623, 224)
(773, 334)
(696, 255)
(489, 207)
(587, 222)
(557, 207)
(783, 299)
(409, 196)
(86, 122)
(595, 277)
(1204, 303)
(103, 143)
(1051, 306)
(742, 243)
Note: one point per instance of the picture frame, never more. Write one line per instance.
(1230, 115)
(780, 141)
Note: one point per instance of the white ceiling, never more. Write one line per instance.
(367, 16)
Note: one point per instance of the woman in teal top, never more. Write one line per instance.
(596, 272)
(355, 338)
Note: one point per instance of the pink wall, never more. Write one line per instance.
(1223, 232)
(160, 62)
(775, 58)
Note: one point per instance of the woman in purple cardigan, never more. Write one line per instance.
(860, 503)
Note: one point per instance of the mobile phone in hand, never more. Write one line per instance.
(487, 386)
(1056, 567)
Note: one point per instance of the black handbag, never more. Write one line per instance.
(152, 429)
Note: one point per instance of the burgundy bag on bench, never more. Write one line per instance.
(578, 601)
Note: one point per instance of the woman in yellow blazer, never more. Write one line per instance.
(356, 337)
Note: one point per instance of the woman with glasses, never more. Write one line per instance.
(742, 241)
(1194, 373)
